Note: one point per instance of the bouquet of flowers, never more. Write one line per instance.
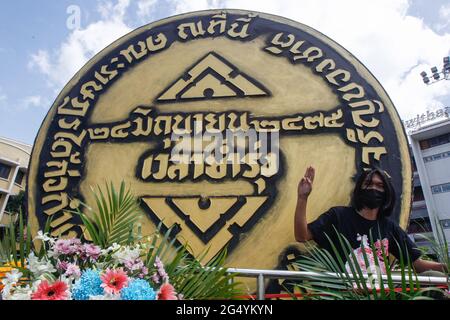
(111, 260)
(69, 269)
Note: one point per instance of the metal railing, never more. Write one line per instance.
(261, 275)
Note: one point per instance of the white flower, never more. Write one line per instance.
(52, 254)
(12, 277)
(35, 284)
(21, 294)
(6, 292)
(126, 254)
(44, 237)
(39, 267)
(112, 248)
(100, 265)
(17, 293)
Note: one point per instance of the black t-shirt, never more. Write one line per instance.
(348, 222)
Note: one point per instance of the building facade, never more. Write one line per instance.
(14, 159)
(431, 204)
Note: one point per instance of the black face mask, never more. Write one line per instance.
(371, 198)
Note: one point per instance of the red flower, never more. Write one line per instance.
(167, 292)
(114, 281)
(45, 291)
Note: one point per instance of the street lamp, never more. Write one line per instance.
(437, 75)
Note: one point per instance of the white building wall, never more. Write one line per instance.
(438, 169)
(16, 156)
(433, 166)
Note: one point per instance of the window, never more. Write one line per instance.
(445, 138)
(424, 144)
(445, 187)
(437, 156)
(436, 141)
(436, 189)
(445, 223)
(19, 177)
(4, 171)
(418, 194)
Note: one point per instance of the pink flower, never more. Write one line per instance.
(56, 291)
(62, 265)
(90, 250)
(133, 265)
(167, 292)
(160, 272)
(378, 246)
(73, 270)
(67, 246)
(136, 266)
(155, 278)
(144, 272)
(114, 281)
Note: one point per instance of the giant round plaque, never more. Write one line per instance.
(211, 118)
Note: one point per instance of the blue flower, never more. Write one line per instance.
(88, 285)
(138, 289)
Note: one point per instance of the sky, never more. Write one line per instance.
(45, 42)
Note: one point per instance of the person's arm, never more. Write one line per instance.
(301, 231)
(423, 265)
(408, 247)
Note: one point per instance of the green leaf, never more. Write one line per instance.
(341, 287)
(115, 217)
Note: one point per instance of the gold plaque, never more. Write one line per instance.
(212, 118)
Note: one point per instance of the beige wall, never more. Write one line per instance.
(17, 188)
(4, 184)
(15, 155)
(15, 151)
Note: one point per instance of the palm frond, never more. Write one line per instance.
(354, 284)
(208, 281)
(161, 246)
(439, 246)
(190, 275)
(115, 218)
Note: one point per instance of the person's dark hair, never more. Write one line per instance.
(389, 199)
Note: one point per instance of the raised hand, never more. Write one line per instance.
(305, 184)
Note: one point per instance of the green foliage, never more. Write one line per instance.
(16, 244)
(439, 246)
(333, 281)
(16, 203)
(115, 219)
(192, 276)
(204, 281)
